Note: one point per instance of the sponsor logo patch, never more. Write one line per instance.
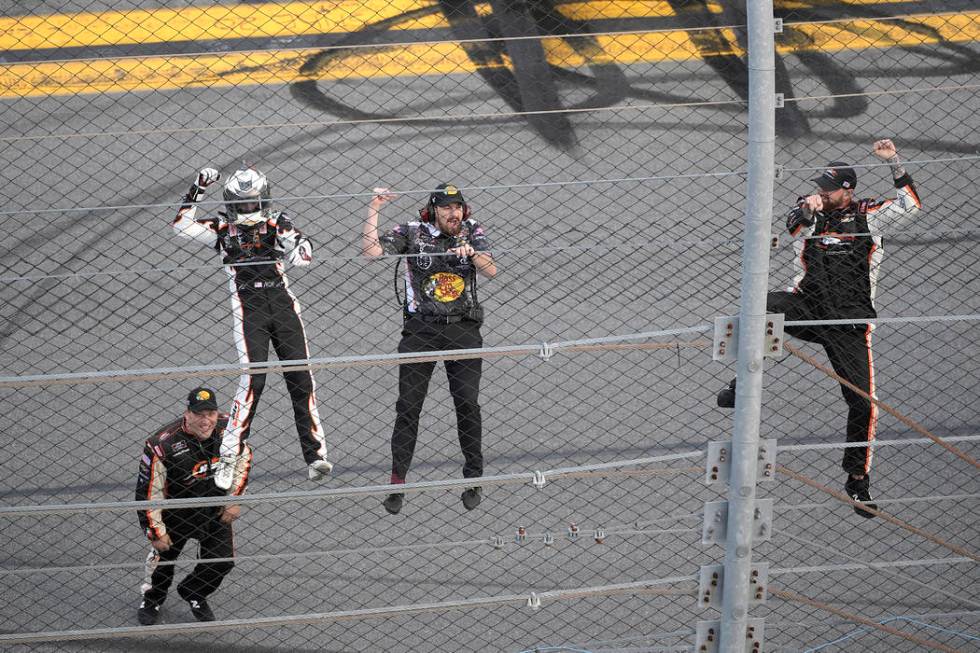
(201, 468)
(444, 287)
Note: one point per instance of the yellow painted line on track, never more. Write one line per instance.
(276, 67)
(194, 23)
(221, 22)
(265, 20)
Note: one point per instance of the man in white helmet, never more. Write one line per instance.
(257, 242)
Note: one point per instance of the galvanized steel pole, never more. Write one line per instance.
(752, 312)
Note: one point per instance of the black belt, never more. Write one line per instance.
(250, 285)
(439, 319)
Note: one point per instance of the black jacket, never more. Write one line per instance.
(176, 465)
(841, 251)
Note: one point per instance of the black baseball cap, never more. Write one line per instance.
(201, 399)
(837, 175)
(446, 194)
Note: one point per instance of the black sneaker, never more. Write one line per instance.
(860, 490)
(201, 610)
(726, 398)
(148, 613)
(393, 503)
(471, 497)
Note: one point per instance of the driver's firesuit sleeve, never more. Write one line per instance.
(186, 225)
(151, 485)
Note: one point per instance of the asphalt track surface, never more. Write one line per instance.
(635, 256)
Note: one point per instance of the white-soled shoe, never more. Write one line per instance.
(319, 469)
(224, 472)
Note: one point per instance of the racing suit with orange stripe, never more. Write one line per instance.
(264, 310)
(176, 465)
(839, 253)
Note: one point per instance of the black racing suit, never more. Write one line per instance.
(441, 312)
(176, 465)
(264, 309)
(837, 279)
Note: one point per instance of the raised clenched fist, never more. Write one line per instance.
(207, 176)
(382, 196)
(813, 203)
(884, 149)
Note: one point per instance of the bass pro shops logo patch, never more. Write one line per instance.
(444, 287)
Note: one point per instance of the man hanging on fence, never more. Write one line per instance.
(178, 462)
(257, 242)
(441, 311)
(839, 253)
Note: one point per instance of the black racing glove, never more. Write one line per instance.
(801, 216)
(284, 223)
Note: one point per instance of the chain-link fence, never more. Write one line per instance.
(601, 146)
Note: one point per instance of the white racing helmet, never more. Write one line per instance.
(248, 197)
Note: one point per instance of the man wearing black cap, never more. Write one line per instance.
(178, 462)
(441, 311)
(838, 253)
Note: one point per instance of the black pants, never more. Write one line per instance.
(216, 541)
(264, 315)
(413, 384)
(849, 349)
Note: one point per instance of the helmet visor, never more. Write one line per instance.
(244, 207)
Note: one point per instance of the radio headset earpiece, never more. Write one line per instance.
(428, 212)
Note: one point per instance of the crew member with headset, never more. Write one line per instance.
(446, 249)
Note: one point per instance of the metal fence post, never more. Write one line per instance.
(752, 311)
